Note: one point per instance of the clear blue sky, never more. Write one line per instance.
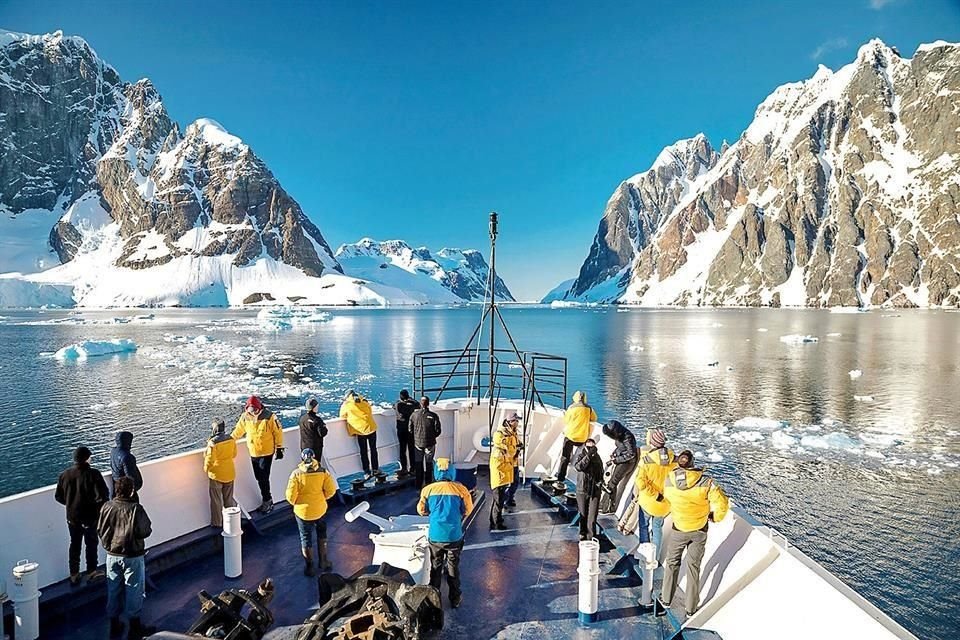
(414, 119)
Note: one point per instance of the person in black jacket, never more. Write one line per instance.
(123, 527)
(425, 429)
(312, 430)
(405, 407)
(83, 490)
(123, 463)
(622, 463)
(589, 482)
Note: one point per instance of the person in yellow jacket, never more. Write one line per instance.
(308, 490)
(695, 501)
(577, 428)
(358, 413)
(264, 441)
(504, 452)
(218, 464)
(656, 461)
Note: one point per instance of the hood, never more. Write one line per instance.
(217, 429)
(313, 465)
(580, 397)
(686, 478)
(124, 439)
(614, 429)
(442, 469)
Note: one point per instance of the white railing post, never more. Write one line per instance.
(589, 570)
(26, 601)
(232, 552)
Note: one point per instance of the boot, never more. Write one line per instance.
(323, 561)
(138, 630)
(308, 569)
(116, 628)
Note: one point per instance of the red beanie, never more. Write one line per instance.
(254, 401)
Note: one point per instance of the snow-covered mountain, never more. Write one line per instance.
(448, 275)
(844, 190)
(105, 202)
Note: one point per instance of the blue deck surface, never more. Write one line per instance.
(518, 584)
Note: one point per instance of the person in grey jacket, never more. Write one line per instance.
(123, 527)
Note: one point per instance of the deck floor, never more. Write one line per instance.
(517, 584)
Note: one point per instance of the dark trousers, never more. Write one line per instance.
(694, 542)
(87, 536)
(565, 457)
(368, 451)
(512, 488)
(616, 483)
(407, 457)
(261, 471)
(445, 558)
(587, 505)
(496, 506)
(423, 465)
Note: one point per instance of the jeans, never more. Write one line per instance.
(406, 447)
(588, 505)
(87, 535)
(221, 495)
(125, 583)
(445, 558)
(307, 528)
(651, 529)
(694, 542)
(423, 461)
(512, 488)
(368, 451)
(566, 455)
(261, 471)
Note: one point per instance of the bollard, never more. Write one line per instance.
(647, 557)
(26, 601)
(232, 553)
(589, 570)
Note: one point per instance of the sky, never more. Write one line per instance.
(413, 120)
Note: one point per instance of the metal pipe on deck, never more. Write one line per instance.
(589, 570)
(232, 548)
(26, 601)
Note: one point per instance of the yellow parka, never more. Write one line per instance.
(218, 459)
(309, 488)
(655, 464)
(263, 431)
(693, 497)
(577, 418)
(503, 456)
(359, 416)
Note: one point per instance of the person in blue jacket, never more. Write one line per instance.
(447, 502)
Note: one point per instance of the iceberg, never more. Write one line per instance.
(93, 348)
(284, 318)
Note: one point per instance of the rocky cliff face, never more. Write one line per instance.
(71, 129)
(845, 190)
(461, 272)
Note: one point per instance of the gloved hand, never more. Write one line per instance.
(659, 497)
(279, 455)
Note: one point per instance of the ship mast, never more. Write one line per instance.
(493, 313)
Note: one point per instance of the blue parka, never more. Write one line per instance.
(123, 463)
(446, 502)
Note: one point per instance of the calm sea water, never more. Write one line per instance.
(861, 472)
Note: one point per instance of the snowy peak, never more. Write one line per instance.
(460, 274)
(842, 191)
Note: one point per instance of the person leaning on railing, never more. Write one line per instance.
(577, 428)
(358, 413)
(83, 491)
(264, 442)
(218, 464)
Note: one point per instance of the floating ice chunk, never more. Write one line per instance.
(729, 367)
(835, 334)
(880, 439)
(863, 398)
(714, 456)
(203, 339)
(765, 424)
(662, 365)
(36, 412)
(762, 330)
(832, 440)
(92, 348)
(269, 371)
(855, 373)
(715, 325)
(795, 338)
(783, 440)
(636, 347)
(284, 318)
(716, 429)
(748, 436)
(99, 406)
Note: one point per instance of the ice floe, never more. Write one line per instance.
(863, 398)
(93, 348)
(833, 440)
(855, 373)
(765, 424)
(284, 318)
(795, 338)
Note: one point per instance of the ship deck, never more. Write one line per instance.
(518, 584)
